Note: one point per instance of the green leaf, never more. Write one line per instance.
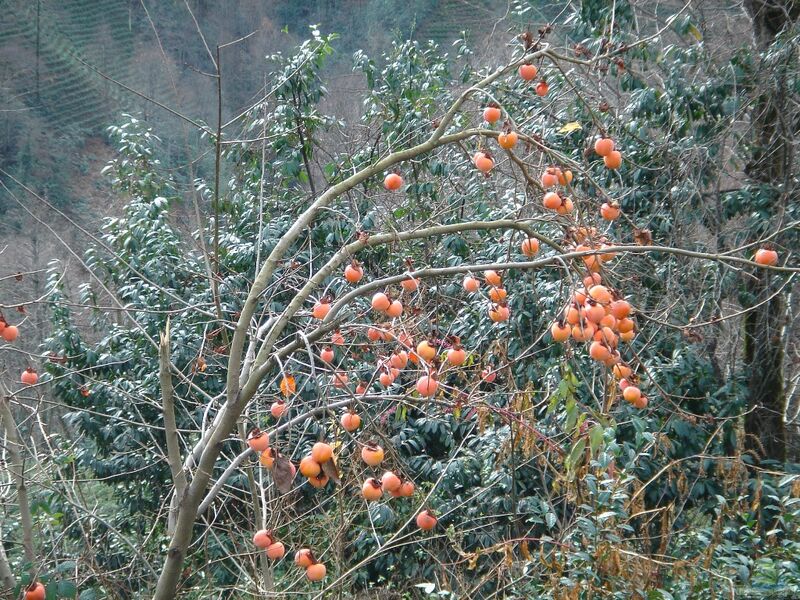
(595, 438)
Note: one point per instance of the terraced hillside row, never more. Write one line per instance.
(67, 34)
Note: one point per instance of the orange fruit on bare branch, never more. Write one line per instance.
(528, 72)
(492, 114)
(471, 284)
(372, 454)
(353, 272)
(529, 247)
(426, 521)
(507, 140)
(427, 386)
(29, 376)
(258, 440)
(371, 490)
(350, 421)
(604, 146)
(393, 182)
(10, 333)
(483, 162)
(613, 160)
(316, 572)
(766, 256)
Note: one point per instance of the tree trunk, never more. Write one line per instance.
(770, 166)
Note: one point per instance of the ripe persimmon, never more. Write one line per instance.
(353, 272)
(319, 481)
(498, 294)
(765, 256)
(399, 359)
(625, 324)
(600, 293)
(278, 408)
(610, 212)
(613, 160)
(471, 284)
(316, 572)
(566, 207)
(390, 482)
(483, 162)
(35, 591)
(621, 309)
(604, 146)
(488, 375)
(631, 393)
(528, 72)
(621, 370)
(499, 313)
(492, 114)
(380, 302)
(395, 309)
(10, 333)
(327, 354)
(425, 351)
(267, 458)
(551, 200)
(276, 551)
(493, 277)
(361, 389)
(386, 379)
(337, 339)
(372, 490)
(350, 421)
(263, 538)
(406, 490)
(321, 310)
(309, 467)
(529, 247)
(564, 177)
(29, 377)
(593, 312)
(507, 140)
(427, 386)
(560, 331)
(542, 88)
(372, 454)
(641, 402)
(583, 332)
(550, 177)
(340, 379)
(303, 558)
(426, 521)
(599, 351)
(410, 284)
(456, 356)
(258, 440)
(572, 315)
(393, 182)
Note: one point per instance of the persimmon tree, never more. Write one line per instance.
(456, 344)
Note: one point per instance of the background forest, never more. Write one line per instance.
(377, 299)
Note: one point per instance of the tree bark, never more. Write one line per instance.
(770, 166)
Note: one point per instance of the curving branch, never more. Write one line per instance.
(170, 428)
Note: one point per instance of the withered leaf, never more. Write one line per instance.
(282, 474)
(329, 468)
(643, 237)
(524, 550)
